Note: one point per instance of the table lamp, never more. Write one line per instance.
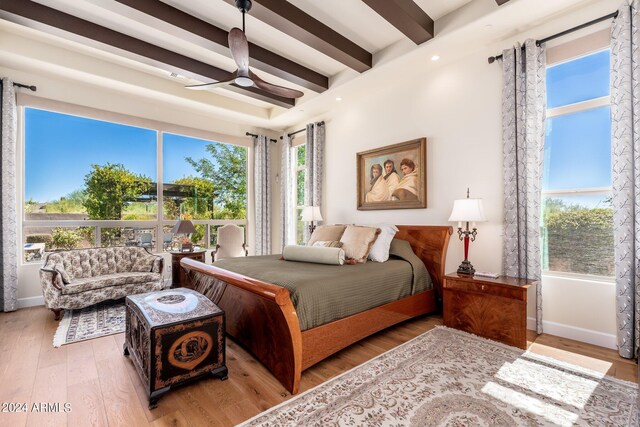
(186, 227)
(467, 210)
(311, 214)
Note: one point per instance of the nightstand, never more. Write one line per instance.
(178, 276)
(491, 308)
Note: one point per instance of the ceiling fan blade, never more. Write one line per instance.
(207, 86)
(239, 47)
(274, 89)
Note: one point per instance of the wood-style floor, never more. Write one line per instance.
(103, 388)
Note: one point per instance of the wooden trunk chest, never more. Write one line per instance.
(174, 336)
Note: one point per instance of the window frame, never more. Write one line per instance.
(29, 101)
(571, 51)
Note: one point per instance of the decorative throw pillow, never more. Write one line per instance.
(59, 267)
(357, 241)
(326, 233)
(314, 254)
(380, 249)
(328, 244)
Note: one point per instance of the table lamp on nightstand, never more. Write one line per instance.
(186, 227)
(467, 210)
(312, 215)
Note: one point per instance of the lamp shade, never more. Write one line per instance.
(311, 213)
(183, 226)
(467, 210)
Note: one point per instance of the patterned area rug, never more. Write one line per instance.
(450, 378)
(104, 318)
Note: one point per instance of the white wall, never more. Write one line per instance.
(457, 108)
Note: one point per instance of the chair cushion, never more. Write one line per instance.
(117, 279)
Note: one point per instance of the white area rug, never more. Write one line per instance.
(104, 318)
(450, 378)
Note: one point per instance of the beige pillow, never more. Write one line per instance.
(326, 233)
(357, 241)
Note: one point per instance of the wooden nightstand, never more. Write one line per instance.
(491, 308)
(178, 278)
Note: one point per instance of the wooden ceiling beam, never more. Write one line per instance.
(70, 24)
(406, 16)
(261, 58)
(289, 19)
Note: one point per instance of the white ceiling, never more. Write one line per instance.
(461, 27)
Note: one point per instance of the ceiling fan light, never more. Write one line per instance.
(243, 81)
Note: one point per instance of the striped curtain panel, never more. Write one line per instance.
(314, 161)
(625, 153)
(8, 198)
(523, 130)
(286, 191)
(262, 185)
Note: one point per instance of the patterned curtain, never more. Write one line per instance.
(286, 191)
(8, 198)
(262, 185)
(523, 117)
(314, 161)
(625, 153)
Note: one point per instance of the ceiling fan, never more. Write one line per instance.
(243, 76)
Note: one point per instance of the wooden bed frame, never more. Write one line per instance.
(260, 316)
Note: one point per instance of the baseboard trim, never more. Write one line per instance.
(30, 302)
(579, 334)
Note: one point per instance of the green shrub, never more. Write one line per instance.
(64, 238)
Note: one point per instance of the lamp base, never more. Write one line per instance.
(466, 268)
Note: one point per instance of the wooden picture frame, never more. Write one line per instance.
(393, 177)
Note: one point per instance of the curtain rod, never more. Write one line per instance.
(493, 59)
(302, 130)
(255, 136)
(30, 87)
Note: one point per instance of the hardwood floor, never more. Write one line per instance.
(103, 388)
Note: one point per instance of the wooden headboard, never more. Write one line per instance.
(430, 243)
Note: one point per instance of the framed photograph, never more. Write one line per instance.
(393, 177)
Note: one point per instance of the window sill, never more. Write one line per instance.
(605, 280)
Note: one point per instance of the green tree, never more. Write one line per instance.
(226, 170)
(200, 205)
(109, 188)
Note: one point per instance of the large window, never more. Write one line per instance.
(576, 195)
(93, 183)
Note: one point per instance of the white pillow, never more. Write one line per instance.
(380, 250)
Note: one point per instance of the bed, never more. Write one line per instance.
(262, 318)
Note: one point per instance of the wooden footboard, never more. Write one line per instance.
(260, 316)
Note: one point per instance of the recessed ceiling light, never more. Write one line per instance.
(435, 57)
(338, 99)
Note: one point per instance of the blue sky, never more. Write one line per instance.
(60, 150)
(577, 146)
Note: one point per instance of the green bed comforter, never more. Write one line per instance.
(324, 293)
